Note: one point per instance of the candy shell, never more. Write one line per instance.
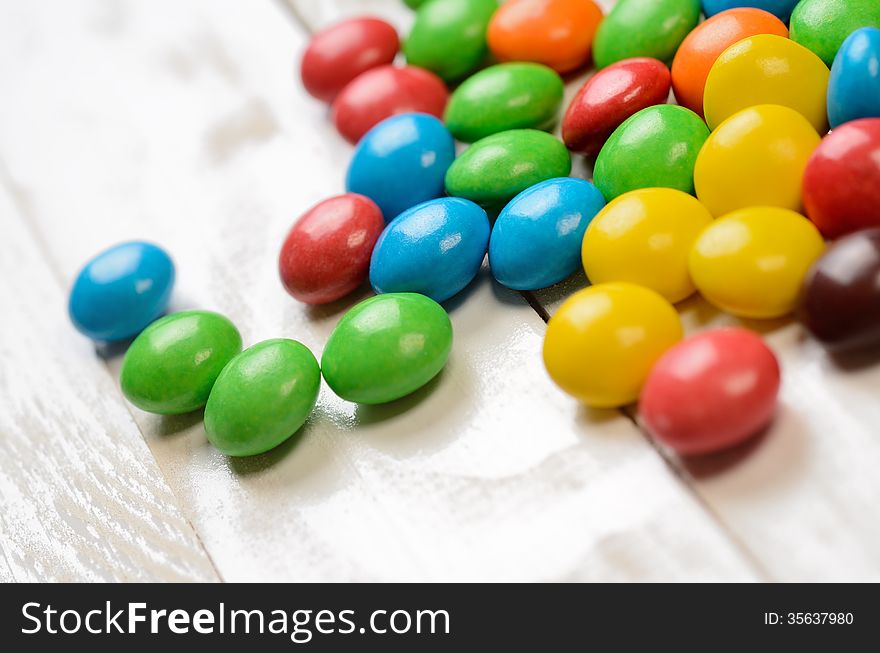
(780, 8)
(644, 28)
(840, 302)
(854, 85)
(752, 262)
(704, 45)
(172, 365)
(384, 92)
(611, 96)
(495, 169)
(402, 162)
(435, 249)
(711, 392)
(767, 69)
(449, 37)
(657, 147)
(823, 25)
(645, 237)
(503, 97)
(556, 33)
(536, 239)
(338, 54)
(121, 290)
(327, 253)
(262, 397)
(603, 341)
(755, 158)
(414, 4)
(387, 347)
(842, 179)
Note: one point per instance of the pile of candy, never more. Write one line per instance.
(731, 192)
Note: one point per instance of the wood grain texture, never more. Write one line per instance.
(82, 498)
(188, 128)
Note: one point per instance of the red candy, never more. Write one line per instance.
(342, 52)
(711, 391)
(384, 92)
(611, 96)
(327, 253)
(842, 181)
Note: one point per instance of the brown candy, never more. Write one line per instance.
(840, 304)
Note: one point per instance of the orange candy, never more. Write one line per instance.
(706, 43)
(556, 33)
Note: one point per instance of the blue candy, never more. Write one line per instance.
(435, 249)
(121, 291)
(854, 85)
(780, 8)
(402, 162)
(536, 241)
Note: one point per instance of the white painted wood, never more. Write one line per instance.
(81, 496)
(187, 127)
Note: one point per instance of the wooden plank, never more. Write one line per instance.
(186, 129)
(82, 497)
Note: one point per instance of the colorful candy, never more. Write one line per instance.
(658, 146)
(536, 239)
(842, 179)
(121, 290)
(327, 253)
(752, 262)
(340, 53)
(755, 158)
(603, 341)
(414, 4)
(779, 8)
(854, 85)
(767, 69)
(556, 33)
(840, 303)
(645, 237)
(703, 46)
(402, 162)
(435, 249)
(495, 169)
(610, 97)
(172, 365)
(503, 97)
(823, 25)
(386, 348)
(383, 92)
(644, 28)
(262, 397)
(710, 392)
(449, 36)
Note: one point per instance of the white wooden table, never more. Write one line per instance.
(183, 123)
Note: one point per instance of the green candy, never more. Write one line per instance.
(644, 28)
(386, 348)
(171, 366)
(449, 36)
(262, 397)
(503, 97)
(414, 4)
(657, 147)
(823, 25)
(494, 170)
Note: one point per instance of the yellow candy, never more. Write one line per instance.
(604, 340)
(767, 69)
(644, 237)
(752, 262)
(755, 158)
